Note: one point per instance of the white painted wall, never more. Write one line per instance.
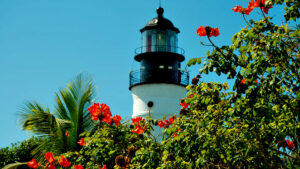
(166, 99)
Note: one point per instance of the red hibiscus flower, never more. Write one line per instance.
(138, 129)
(204, 31)
(261, 4)
(214, 32)
(290, 144)
(237, 9)
(192, 95)
(100, 112)
(104, 167)
(33, 164)
(49, 157)
(184, 105)
(51, 166)
(175, 134)
(78, 167)
(171, 120)
(63, 161)
(136, 120)
(81, 142)
(243, 81)
(95, 110)
(68, 134)
(161, 124)
(201, 31)
(117, 120)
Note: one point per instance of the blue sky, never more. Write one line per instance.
(46, 43)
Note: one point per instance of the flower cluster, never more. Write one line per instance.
(208, 31)
(175, 134)
(288, 144)
(184, 105)
(138, 128)
(102, 112)
(166, 122)
(62, 161)
(243, 81)
(81, 142)
(78, 167)
(33, 164)
(252, 4)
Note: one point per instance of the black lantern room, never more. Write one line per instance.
(159, 56)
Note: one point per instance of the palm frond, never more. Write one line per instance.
(14, 165)
(70, 115)
(37, 119)
(72, 103)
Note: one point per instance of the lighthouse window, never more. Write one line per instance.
(161, 66)
(170, 67)
(149, 43)
(159, 41)
(150, 104)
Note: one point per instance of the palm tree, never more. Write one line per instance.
(69, 119)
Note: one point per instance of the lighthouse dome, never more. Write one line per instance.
(160, 22)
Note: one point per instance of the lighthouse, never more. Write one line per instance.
(159, 83)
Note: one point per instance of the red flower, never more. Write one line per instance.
(184, 105)
(107, 120)
(192, 95)
(100, 112)
(204, 31)
(237, 9)
(138, 129)
(49, 157)
(94, 110)
(247, 10)
(201, 31)
(81, 142)
(33, 164)
(171, 120)
(161, 124)
(117, 120)
(78, 167)
(175, 134)
(290, 144)
(261, 4)
(214, 32)
(67, 133)
(51, 166)
(63, 161)
(137, 119)
(243, 81)
(95, 118)
(256, 81)
(104, 167)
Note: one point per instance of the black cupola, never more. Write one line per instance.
(159, 56)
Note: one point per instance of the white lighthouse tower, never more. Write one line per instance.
(159, 84)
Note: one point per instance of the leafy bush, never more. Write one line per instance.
(254, 125)
(20, 151)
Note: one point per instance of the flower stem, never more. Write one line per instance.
(246, 21)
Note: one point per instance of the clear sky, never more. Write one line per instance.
(46, 43)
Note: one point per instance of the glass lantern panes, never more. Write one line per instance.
(159, 41)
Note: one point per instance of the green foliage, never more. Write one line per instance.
(20, 151)
(245, 126)
(70, 116)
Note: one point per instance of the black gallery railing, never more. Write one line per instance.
(159, 48)
(158, 76)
